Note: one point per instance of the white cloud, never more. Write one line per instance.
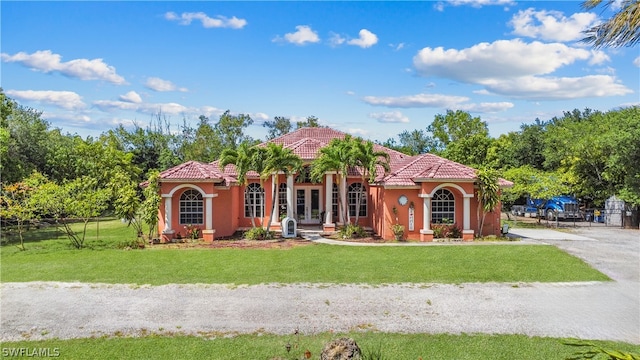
(397, 47)
(146, 108)
(358, 132)
(598, 57)
(259, 116)
(218, 22)
(63, 99)
(498, 60)
(485, 107)
(336, 40)
(303, 35)
(154, 108)
(157, 84)
(430, 100)
(366, 39)
(83, 69)
(440, 5)
(414, 101)
(131, 97)
(514, 68)
(389, 117)
(559, 88)
(73, 118)
(636, 61)
(551, 25)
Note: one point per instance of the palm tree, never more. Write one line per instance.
(369, 161)
(623, 29)
(338, 157)
(278, 159)
(488, 194)
(244, 159)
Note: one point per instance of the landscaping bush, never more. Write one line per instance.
(352, 231)
(258, 233)
(446, 231)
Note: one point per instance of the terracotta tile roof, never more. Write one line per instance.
(426, 167)
(305, 142)
(193, 170)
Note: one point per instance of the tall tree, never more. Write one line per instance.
(278, 127)
(16, 205)
(622, 29)
(455, 126)
(26, 146)
(370, 162)
(338, 157)
(278, 160)
(245, 158)
(230, 129)
(311, 121)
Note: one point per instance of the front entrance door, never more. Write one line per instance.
(308, 205)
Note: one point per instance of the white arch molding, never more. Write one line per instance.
(168, 199)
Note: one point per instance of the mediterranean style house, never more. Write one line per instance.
(418, 192)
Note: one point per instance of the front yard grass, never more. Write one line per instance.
(267, 346)
(102, 262)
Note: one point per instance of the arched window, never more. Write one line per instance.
(443, 207)
(253, 195)
(191, 208)
(355, 190)
(282, 199)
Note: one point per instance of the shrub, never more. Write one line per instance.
(258, 233)
(352, 231)
(441, 231)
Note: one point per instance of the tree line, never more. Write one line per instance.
(590, 154)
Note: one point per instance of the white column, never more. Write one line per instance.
(426, 213)
(275, 219)
(466, 211)
(167, 214)
(328, 198)
(343, 199)
(208, 204)
(290, 196)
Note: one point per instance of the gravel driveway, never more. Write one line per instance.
(592, 310)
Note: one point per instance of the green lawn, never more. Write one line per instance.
(53, 260)
(265, 346)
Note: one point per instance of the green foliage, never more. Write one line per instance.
(278, 127)
(151, 203)
(351, 231)
(16, 205)
(446, 231)
(488, 193)
(311, 121)
(596, 351)
(258, 233)
(192, 232)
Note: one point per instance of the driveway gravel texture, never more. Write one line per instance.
(586, 310)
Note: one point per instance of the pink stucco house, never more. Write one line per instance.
(419, 191)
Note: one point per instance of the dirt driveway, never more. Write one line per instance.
(593, 310)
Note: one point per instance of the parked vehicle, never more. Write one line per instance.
(562, 207)
(529, 207)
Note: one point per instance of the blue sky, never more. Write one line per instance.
(372, 69)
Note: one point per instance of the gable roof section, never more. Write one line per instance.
(430, 167)
(193, 170)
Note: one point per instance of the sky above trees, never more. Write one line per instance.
(373, 69)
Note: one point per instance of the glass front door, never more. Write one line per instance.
(308, 205)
